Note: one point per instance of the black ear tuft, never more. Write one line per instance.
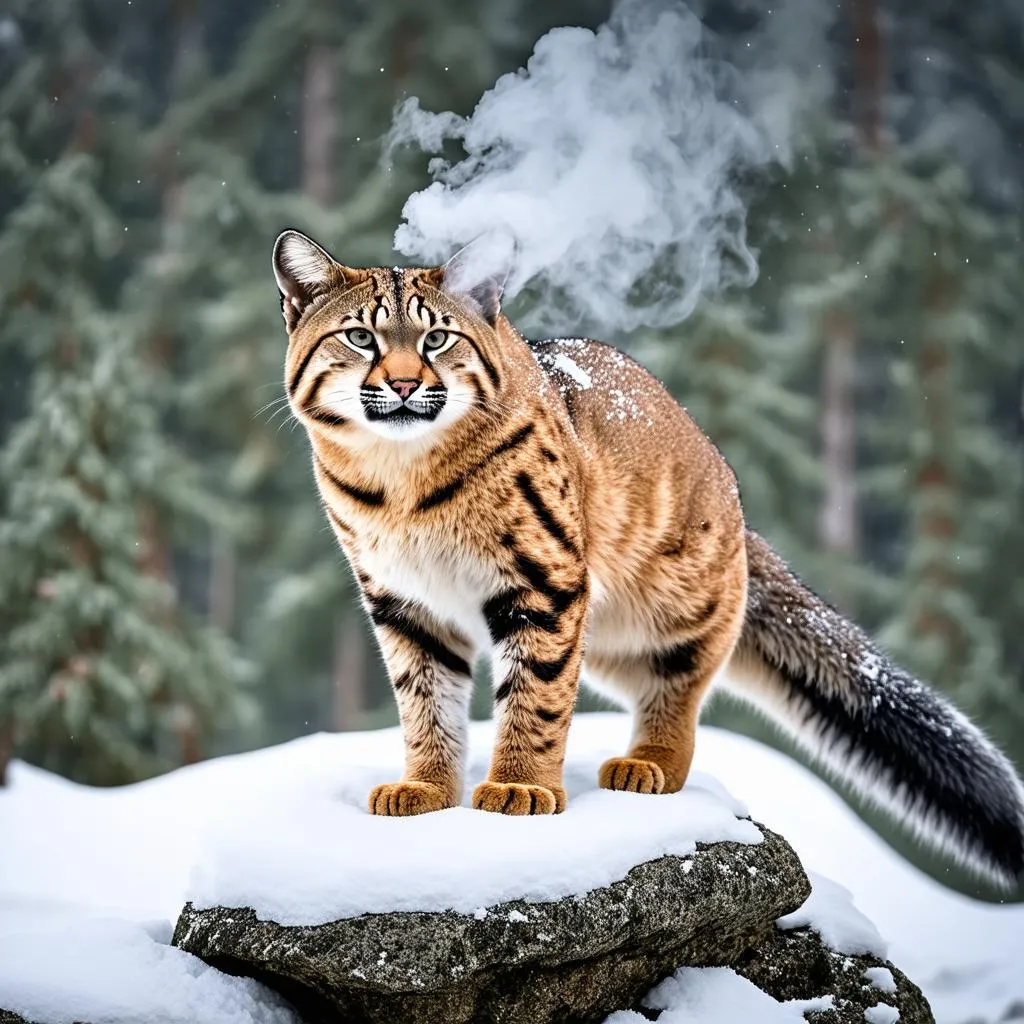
(477, 273)
(302, 269)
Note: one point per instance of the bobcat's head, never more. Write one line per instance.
(396, 353)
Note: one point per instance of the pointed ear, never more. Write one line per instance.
(477, 273)
(303, 271)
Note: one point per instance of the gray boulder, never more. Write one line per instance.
(571, 961)
(798, 965)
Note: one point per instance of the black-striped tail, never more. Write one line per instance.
(869, 721)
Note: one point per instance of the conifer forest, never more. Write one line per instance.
(169, 587)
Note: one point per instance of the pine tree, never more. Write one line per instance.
(103, 676)
(948, 289)
(102, 673)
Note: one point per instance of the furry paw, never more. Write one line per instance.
(399, 799)
(516, 798)
(631, 775)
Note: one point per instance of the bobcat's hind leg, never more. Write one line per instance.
(665, 688)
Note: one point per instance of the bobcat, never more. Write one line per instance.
(550, 502)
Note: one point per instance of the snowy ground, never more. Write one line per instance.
(90, 880)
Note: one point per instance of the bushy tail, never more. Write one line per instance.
(873, 724)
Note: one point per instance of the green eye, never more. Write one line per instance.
(435, 340)
(360, 337)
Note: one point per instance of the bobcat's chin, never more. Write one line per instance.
(405, 424)
(406, 430)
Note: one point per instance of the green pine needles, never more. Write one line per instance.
(104, 677)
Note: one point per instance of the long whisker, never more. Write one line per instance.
(290, 423)
(272, 402)
(284, 409)
(282, 401)
(333, 396)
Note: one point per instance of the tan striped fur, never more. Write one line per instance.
(551, 503)
(529, 518)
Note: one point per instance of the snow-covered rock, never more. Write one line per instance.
(798, 968)
(90, 880)
(571, 960)
(577, 958)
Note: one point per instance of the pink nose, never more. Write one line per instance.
(403, 386)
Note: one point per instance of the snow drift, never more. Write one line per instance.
(71, 855)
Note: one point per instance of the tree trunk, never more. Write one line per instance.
(319, 125)
(839, 433)
(404, 45)
(319, 137)
(349, 697)
(6, 750)
(839, 513)
(869, 59)
(187, 729)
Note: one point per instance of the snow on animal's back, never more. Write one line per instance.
(601, 385)
(609, 394)
(644, 436)
(664, 521)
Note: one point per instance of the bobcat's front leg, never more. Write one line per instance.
(538, 635)
(431, 676)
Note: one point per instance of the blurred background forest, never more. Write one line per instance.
(168, 588)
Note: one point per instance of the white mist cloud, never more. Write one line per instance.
(613, 160)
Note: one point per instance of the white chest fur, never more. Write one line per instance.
(449, 581)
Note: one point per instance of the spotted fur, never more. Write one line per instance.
(549, 502)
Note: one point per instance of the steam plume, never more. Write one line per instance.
(613, 159)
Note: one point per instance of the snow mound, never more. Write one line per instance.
(71, 854)
(717, 995)
(58, 968)
(881, 978)
(309, 855)
(882, 1013)
(829, 911)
